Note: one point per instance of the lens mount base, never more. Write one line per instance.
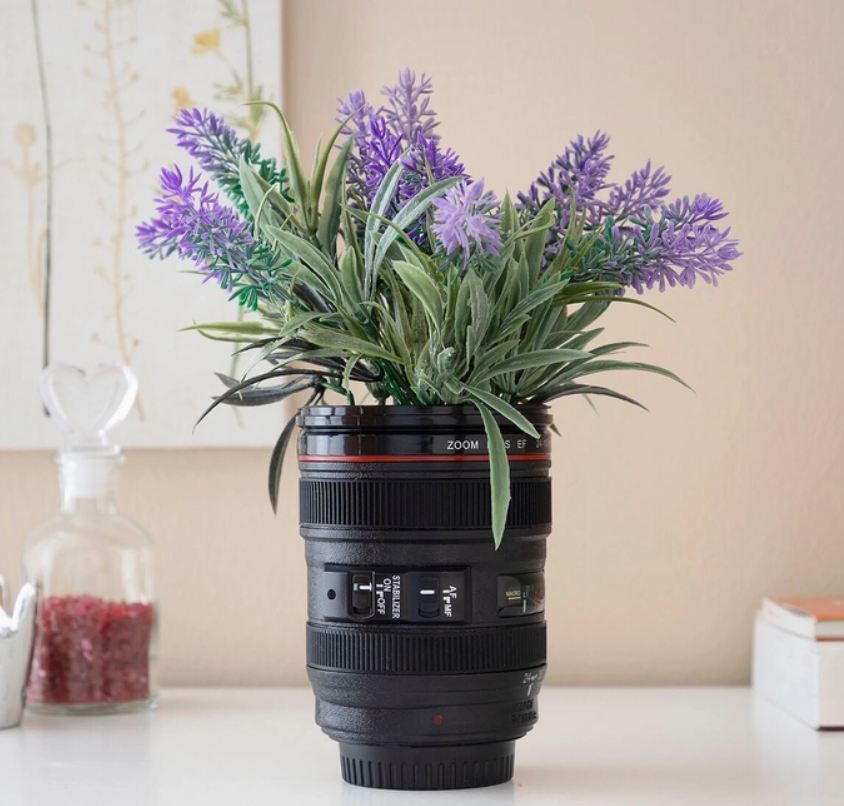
(427, 768)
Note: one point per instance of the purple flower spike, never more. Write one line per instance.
(426, 160)
(409, 115)
(463, 217)
(405, 125)
(208, 139)
(193, 224)
(218, 150)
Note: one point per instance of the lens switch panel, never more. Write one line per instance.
(397, 595)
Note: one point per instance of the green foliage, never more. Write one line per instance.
(356, 301)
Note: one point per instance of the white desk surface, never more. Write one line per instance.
(592, 746)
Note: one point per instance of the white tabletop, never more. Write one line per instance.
(591, 746)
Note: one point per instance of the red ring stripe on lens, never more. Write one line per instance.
(458, 457)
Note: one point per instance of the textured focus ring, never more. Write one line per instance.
(423, 504)
(493, 649)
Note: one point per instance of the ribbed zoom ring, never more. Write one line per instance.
(423, 504)
(455, 651)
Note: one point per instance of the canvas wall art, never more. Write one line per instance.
(87, 92)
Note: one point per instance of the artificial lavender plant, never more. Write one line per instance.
(398, 273)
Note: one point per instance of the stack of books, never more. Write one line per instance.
(798, 658)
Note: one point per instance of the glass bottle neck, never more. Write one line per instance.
(88, 482)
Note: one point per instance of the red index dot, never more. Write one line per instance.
(438, 719)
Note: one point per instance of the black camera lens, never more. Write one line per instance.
(426, 646)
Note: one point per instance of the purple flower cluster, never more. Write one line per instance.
(679, 248)
(217, 149)
(408, 112)
(209, 140)
(580, 171)
(404, 129)
(193, 224)
(463, 217)
(635, 247)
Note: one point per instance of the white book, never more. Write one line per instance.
(802, 676)
(820, 618)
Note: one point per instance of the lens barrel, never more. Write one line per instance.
(426, 647)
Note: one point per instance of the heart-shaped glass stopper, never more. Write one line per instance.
(88, 405)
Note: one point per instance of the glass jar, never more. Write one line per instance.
(95, 649)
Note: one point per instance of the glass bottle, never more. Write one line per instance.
(95, 648)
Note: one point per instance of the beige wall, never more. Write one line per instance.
(670, 525)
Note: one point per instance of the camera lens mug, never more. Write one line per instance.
(426, 646)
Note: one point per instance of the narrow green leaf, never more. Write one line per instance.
(258, 192)
(567, 389)
(535, 298)
(314, 259)
(586, 314)
(479, 307)
(503, 408)
(298, 181)
(412, 209)
(347, 371)
(509, 216)
(579, 341)
(234, 390)
(350, 278)
(329, 219)
(424, 288)
(277, 460)
(538, 358)
(269, 395)
(321, 162)
(534, 247)
(246, 328)
(592, 367)
(499, 473)
(394, 338)
(349, 344)
(380, 203)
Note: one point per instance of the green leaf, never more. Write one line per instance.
(347, 370)
(535, 298)
(380, 203)
(246, 328)
(424, 288)
(350, 278)
(394, 339)
(592, 367)
(264, 396)
(412, 209)
(567, 389)
(238, 388)
(349, 344)
(314, 259)
(479, 307)
(535, 242)
(329, 220)
(258, 192)
(538, 358)
(579, 341)
(321, 163)
(499, 473)
(276, 462)
(503, 408)
(586, 314)
(298, 181)
(509, 216)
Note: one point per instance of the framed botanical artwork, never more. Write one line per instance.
(88, 90)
